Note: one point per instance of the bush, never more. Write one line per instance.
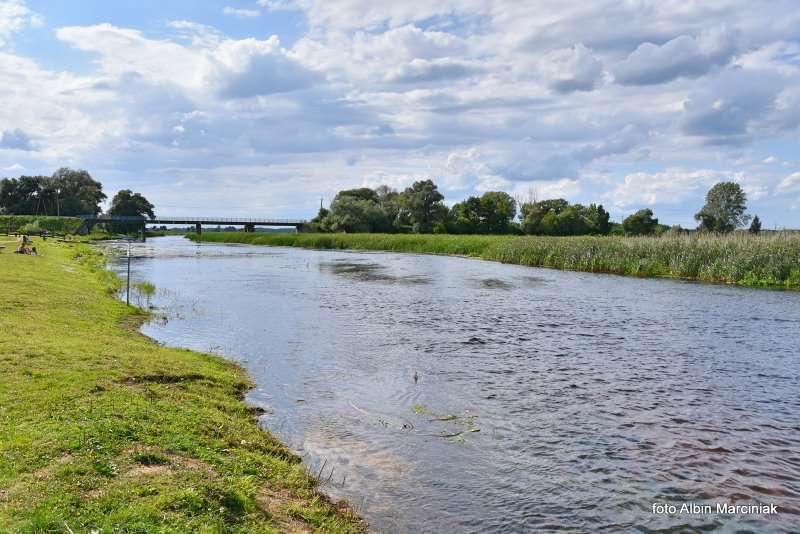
(17, 223)
(32, 228)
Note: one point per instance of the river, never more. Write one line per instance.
(442, 394)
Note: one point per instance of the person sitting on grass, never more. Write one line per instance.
(23, 249)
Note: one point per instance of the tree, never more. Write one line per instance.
(497, 209)
(356, 210)
(320, 215)
(725, 208)
(422, 203)
(126, 203)
(640, 223)
(755, 226)
(572, 222)
(559, 217)
(549, 224)
(598, 219)
(362, 193)
(24, 195)
(465, 217)
(389, 201)
(532, 215)
(76, 192)
(66, 193)
(491, 213)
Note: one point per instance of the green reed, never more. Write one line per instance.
(769, 260)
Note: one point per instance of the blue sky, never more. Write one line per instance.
(262, 107)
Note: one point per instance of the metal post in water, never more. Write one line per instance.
(128, 279)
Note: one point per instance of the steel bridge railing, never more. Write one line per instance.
(191, 220)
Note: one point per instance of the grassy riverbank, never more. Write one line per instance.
(765, 260)
(103, 430)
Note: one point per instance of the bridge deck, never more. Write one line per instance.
(228, 221)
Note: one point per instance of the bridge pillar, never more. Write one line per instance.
(198, 228)
(249, 228)
(143, 231)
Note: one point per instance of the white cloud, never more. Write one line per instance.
(278, 5)
(571, 69)
(398, 54)
(124, 51)
(15, 140)
(15, 168)
(353, 14)
(683, 56)
(676, 186)
(790, 183)
(253, 67)
(236, 68)
(241, 13)
(14, 16)
(671, 186)
(736, 104)
(538, 189)
(432, 70)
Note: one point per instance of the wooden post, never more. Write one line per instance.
(128, 279)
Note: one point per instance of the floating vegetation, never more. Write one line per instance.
(387, 421)
(494, 283)
(533, 281)
(466, 421)
(368, 272)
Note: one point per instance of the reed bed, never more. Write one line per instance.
(768, 260)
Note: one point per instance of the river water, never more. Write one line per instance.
(443, 394)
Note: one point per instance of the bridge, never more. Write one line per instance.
(249, 224)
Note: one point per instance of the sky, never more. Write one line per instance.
(264, 107)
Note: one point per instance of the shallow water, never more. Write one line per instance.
(447, 394)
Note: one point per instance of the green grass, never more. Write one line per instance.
(103, 429)
(768, 260)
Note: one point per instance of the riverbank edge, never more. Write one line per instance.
(107, 429)
(640, 257)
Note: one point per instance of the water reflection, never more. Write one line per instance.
(447, 394)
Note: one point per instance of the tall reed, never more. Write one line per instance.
(770, 260)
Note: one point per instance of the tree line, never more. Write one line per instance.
(420, 208)
(68, 193)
